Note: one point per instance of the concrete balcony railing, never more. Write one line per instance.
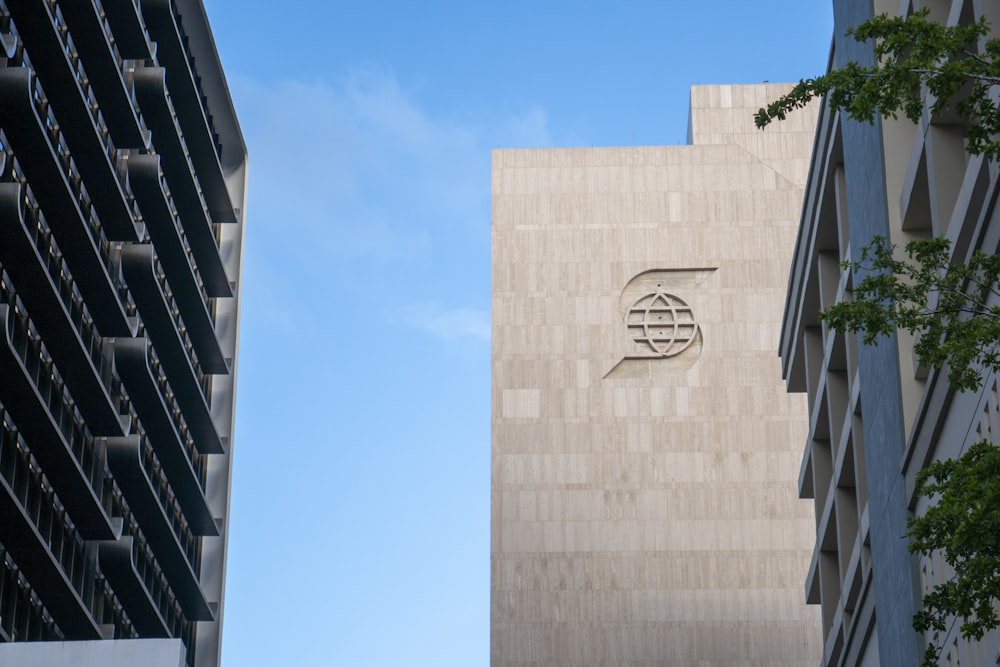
(35, 394)
(37, 534)
(185, 186)
(166, 329)
(65, 201)
(154, 402)
(57, 62)
(177, 261)
(182, 82)
(47, 287)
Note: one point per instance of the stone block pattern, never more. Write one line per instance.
(654, 518)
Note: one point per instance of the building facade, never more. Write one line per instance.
(122, 186)
(876, 416)
(644, 450)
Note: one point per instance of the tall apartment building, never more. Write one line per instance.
(877, 417)
(644, 450)
(122, 184)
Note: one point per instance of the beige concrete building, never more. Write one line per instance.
(645, 453)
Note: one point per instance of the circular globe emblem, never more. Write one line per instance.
(662, 322)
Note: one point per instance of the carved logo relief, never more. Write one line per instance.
(663, 322)
(663, 334)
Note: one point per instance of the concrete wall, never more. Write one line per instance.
(103, 653)
(881, 400)
(644, 507)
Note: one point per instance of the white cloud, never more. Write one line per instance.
(441, 323)
(529, 129)
(358, 188)
(360, 169)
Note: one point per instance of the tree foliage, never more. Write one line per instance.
(945, 71)
(964, 525)
(943, 303)
(919, 64)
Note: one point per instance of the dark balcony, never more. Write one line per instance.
(169, 239)
(36, 536)
(57, 311)
(133, 475)
(186, 94)
(133, 359)
(55, 59)
(105, 70)
(117, 562)
(128, 28)
(31, 392)
(27, 133)
(157, 109)
(168, 337)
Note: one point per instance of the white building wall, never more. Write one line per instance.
(101, 653)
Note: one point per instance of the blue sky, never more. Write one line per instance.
(359, 529)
